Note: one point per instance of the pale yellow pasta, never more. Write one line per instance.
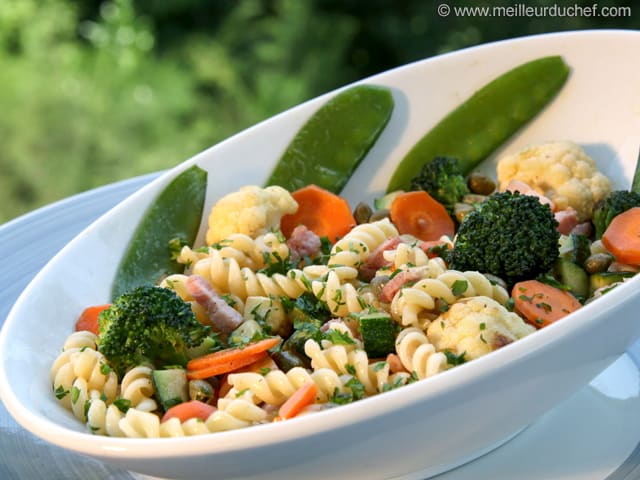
(339, 325)
(189, 256)
(418, 355)
(405, 255)
(341, 298)
(91, 366)
(356, 246)
(416, 305)
(80, 339)
(276, 386)
(271, 246)
(137, 388)
(477, 285)
(235, 411)
(240, 247)
(88, 365)
(103, 419)
(178, 283)
(232, 413)
(348, 361)
(140, 424)
(319, 272)
(270, 312)
(228, 276)
(79, 394)
(409, 254)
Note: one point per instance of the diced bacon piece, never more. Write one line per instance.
(396, 283)
(303, 243)
(567, 220)
(584, 228)
(426, 246)
(376, 260)
(221, 314)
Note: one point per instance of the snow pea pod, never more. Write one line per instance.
(174, 214)
(487, 119)
(330, 145)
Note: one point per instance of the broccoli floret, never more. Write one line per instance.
(443, 180)
(148, 324)
(615, 203)
(509, 235)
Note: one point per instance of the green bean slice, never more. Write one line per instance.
(176, 213)
(477, 127)
(335, 139)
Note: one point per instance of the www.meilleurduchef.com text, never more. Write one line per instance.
(524, 10)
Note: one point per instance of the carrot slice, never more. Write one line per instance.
(88, 319)
(417, 213)
(321, 211)
(230, 359)
(225, 366)
(541, 304)
(191, 409)
(305, 395)
(622, 237)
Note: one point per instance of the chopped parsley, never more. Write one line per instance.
(453, 359)
(459, 287)
(61, 392)
(122, 404)
(338, 337)
(175, 247)
(75, 394)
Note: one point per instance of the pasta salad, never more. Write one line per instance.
(299, 303)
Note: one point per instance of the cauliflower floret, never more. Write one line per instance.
(561, 171)
(252, 210)
(476, 326)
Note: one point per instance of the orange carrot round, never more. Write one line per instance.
(305, 395)
(88, 319)
(321, 211)
(622, 237)
(191, 409)
(231, 359)
(417, 213)
(542, 304)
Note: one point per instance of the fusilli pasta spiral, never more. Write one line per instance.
(354, 248)
(348, 361)
(418, 355)
(90, 367)
(277, 386)
(103, 419)
(416, 305)
(137, 388)
(228, 276)
(341, 298)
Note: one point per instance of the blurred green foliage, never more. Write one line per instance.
(92, 92)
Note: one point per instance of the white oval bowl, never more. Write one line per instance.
(418, 430)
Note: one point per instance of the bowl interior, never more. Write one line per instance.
(599, 108)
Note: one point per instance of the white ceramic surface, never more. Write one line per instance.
(456, 415)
